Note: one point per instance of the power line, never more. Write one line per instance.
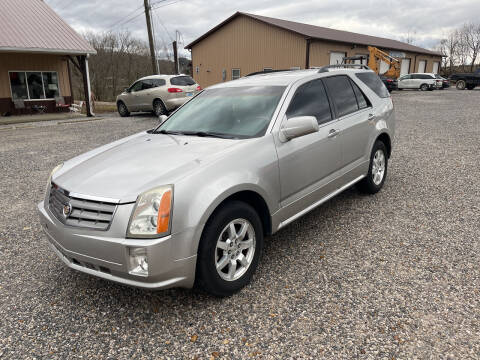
(126, 19)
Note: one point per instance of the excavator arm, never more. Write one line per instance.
(377, 55)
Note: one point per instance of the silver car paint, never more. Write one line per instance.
(292, 177)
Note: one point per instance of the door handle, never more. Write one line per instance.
(333, 132)
(371, 117)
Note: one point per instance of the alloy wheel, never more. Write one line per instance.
(378, 167)
(235, 249)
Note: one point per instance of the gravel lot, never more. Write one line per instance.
(395, 275)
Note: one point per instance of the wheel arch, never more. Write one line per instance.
(159, 98)
(385, 138)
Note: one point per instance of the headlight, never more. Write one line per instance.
(152, 213)
(49, 181)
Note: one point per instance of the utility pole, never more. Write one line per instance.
(150, 36)
(175, 56)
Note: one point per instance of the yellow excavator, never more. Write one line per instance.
(376, 56)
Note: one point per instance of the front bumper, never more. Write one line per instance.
(100, 254)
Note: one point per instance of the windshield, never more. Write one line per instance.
(236, 112)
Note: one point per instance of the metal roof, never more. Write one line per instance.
(32, 26)
(323, 33)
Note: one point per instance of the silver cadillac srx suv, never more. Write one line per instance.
(190, 202)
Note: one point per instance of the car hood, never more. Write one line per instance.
(125, 169)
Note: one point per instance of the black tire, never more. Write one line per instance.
(367, 185)
(461, 84)
(159, 108)
(122, 109)
(424, 87)
(470, 87)
(207, 277)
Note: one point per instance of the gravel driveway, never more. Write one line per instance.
(396, 275)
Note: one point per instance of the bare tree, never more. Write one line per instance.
(471, 39)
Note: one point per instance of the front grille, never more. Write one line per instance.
(74, 211)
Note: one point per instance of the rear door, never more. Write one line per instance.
(354, 113)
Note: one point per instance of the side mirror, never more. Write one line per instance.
(127, 90)
(162, 118)
(298, 126)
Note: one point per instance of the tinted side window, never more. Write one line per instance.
(311, 100)
(157, 82)
(182, 81)
(362, 100)
(374, 83)
(341, 92)
(416, 77)
(137, 86)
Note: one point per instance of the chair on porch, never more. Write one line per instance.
(60, 103)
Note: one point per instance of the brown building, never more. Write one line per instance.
(246, 43)
(36, 50)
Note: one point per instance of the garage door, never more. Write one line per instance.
(436, 65)
(405, 68)
(336, 57)
(421, 66)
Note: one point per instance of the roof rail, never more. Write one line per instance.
(267, 71)
(339, 66)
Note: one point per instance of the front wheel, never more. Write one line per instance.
(122, 109)
(377, 170)
(229, 249)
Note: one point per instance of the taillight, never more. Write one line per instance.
(199, 88)
(389, 80)
(174, 90)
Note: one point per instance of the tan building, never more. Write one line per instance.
(36, 50)
(246, 43)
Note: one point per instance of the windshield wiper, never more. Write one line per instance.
(208, 134)
(197, 133)
(167, 132)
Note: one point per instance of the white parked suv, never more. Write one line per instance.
(421, 81)
(157, 93)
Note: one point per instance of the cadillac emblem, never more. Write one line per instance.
(67, 210)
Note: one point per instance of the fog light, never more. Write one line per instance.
(138, 261)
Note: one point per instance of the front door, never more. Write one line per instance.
(308, 163)
(132, 100)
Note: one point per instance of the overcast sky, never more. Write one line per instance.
(426, 20)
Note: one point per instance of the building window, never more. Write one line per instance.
(235, 74)
(34, 85)
(267, 69)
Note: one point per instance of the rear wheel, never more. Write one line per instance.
(122, 109)
(159, 108)
(470, 87)
(377, 170)
(461, 84)
(229, 249)
(424, 87)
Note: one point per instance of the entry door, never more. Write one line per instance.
(405, 68)
(306, 162)
(336, 57)
(436, 66)
(421, 66)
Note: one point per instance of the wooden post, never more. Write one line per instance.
(150, 36)
(175, 56)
